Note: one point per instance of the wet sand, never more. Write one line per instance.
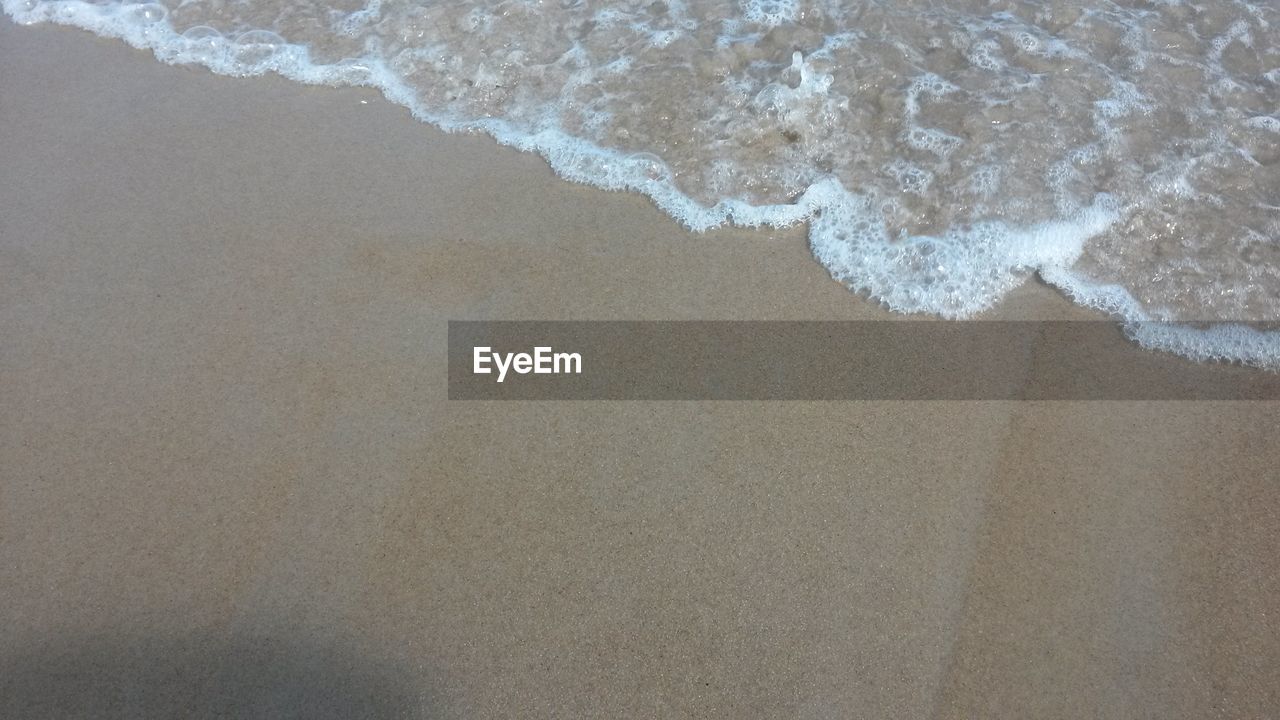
(232, 483)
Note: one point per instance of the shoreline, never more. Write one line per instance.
(1229, 342)
(230, 452)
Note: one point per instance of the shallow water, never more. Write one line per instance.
(941, 152)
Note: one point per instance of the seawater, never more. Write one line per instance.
(940, 152)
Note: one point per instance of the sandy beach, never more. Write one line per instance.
(231, 483)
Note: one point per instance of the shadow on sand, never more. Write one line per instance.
(202, 676)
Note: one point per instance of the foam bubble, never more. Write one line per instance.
(1264, 122)
(931, 140)
(770, 13)
(260, 37)
(146, 13)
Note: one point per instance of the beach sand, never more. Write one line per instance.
(232, 483)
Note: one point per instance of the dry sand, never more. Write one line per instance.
(230, 480)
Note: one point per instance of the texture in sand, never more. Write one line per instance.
(231, 483)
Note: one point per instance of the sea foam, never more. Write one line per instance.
(1128, 153)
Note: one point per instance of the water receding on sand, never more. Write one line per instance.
(941, 152)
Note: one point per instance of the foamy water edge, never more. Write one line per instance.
(991, 264)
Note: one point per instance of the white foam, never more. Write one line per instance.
(955, 274)
(1219, 342)
(1264, 122)
(770, 13)
(931, 140)
(912, 179)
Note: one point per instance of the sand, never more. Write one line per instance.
(231, 481)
